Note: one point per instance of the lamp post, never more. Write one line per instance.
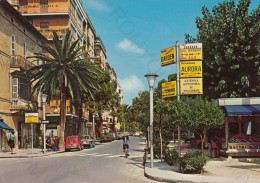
(93, 126)
(151, 79)
(44, 98)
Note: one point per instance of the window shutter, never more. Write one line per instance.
(15, 87)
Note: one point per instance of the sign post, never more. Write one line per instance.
(31, 118)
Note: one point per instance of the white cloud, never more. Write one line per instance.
(97, 5)
(131, 86)
(127, 45)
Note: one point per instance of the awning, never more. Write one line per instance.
(243, 110)
(3, 125)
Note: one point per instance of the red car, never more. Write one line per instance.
(73, 142)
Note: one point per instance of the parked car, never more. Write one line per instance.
(120, 135)
(73, 142)
(106, 138)
(136, 134)
(87, 141)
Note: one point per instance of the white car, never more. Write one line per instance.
(87, 141)
(136, 134)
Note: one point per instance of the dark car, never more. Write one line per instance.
(73, 142)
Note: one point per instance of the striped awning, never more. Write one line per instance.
(3, 125)
(243, 110)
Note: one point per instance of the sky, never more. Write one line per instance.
(135, 31)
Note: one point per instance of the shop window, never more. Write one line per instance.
(44, 24)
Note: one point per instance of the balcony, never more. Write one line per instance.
(48, 33)
(99, 41)
(18, 61)
(21, 104)
(46, 8)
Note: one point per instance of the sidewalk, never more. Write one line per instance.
(26, 153)
(228, 171)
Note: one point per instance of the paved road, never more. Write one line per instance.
(103, 164)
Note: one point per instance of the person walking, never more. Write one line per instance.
(12, 142)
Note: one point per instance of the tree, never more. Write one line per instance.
(65, 69)
(230, 38)
(198, 115)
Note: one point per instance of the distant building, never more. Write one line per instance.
(19, 39)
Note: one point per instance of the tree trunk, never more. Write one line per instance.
(160, 133)
(62, 119)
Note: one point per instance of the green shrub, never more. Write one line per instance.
(171, 156)
(196, 160)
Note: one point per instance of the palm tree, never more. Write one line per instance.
(66, 70)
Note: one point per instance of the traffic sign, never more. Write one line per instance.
(168, 56)
(45, 121)
(169, 89)
(31, 117)
(191, 51)
(191, 86)
(191, 69)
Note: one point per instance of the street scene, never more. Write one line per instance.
(129, 91)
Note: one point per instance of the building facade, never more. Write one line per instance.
(19, 39)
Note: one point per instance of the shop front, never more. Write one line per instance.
(242, 126)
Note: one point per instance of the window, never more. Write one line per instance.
(44, 24)
(13, 44)
(24, 50)
(80, 18)
(15, 87)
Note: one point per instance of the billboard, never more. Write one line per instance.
(169, 89)
(191, 86)
(168, 56)
(191, 69)
(191, 51)
(31, 117)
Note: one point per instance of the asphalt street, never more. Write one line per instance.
(103, 164)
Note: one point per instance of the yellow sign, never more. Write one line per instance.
(192, 51)
(118, 126)
(169, 89)
(191, 86)
(191, 69)
(31, 117)
(88, 125)
(168, 56)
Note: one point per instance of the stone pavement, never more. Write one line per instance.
(27, 153)
(227, 171)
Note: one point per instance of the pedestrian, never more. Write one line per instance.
(11, 142)
(96, 134)
(51, 134)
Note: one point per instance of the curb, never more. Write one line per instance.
(31, 156)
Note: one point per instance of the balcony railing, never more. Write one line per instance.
(48, 8)
(21, 104)
(48, 33)
(20, 62)
(99, 41)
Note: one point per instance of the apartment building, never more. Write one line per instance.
(19, 39)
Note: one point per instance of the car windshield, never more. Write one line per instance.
(86, 137)
(72, 138)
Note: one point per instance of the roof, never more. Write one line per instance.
(3, 125)
(243, 110)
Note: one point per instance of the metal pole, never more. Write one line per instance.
(151, 126)
(93, 127)
(178, 90)
(44, 127)
(32, 136)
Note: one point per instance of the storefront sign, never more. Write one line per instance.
(118, 126)
(192, 51)
(191, 86)
(31, 117)
(191, 69)
(168, 56)
(169, 89)
(88, 125)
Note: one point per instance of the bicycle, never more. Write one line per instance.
(125, 150)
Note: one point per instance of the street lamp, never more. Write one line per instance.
(44, 98)
(151, 79)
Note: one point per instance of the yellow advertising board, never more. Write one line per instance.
(191, 69)
(31, 117)
(192, 51)
(88, 125)
(168, 56)
(169, 89)
(191, 86)
(118, 126)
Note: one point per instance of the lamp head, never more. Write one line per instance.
(44, 98)
(151, 79)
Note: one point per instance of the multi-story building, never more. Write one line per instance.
(19, 39)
